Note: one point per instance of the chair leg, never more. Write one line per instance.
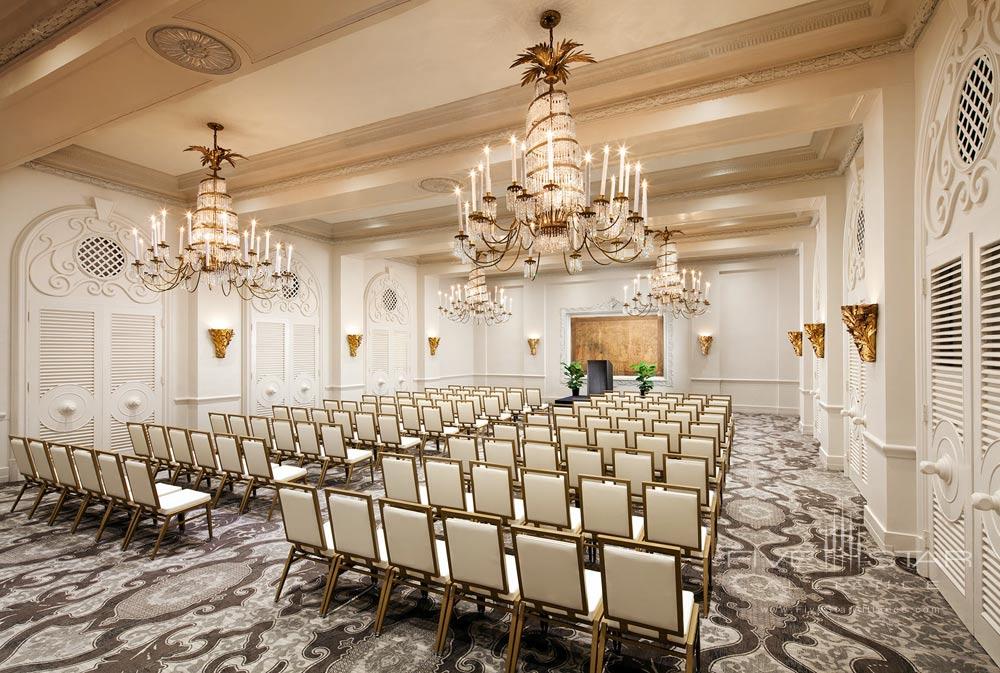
(383, 607)
(706, 582)
(598, 646)
(24, 487)
(104, 521)
(133, 522)
(38, 499)
(350, 471)
(331, 583)
(284, 573)
(246, 496)
(322, 473)
(79, 512)
(175, 475)
(517, 632)
(208, 519)
(222, 485)
(274, 501)
(511, 635)
(159, 538)
(59, 504)
(371, 469)
(444, 618)
(197, 481)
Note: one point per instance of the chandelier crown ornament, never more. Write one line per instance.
(551, 209)
(211, 245)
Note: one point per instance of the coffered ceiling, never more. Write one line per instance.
(356, 115)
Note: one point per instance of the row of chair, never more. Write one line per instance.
(636, 594)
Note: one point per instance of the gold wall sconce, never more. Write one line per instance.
(221, 338)
(353, 342)
(795, 338)
(816, 331)
(861, 321)
(705, 343)
(533, 345)
(433, 343)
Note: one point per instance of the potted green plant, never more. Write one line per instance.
(573, 371)
(644, 373)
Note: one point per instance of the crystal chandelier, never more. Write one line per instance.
(472, 302)
(549, 203)
(211, 245)
(669, 291)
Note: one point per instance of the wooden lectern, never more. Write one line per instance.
(600, 376)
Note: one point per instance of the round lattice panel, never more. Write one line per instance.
(132, 402)
(291, 291)
(100, 257)
(946, 448)
(390, 300)
(66, 408)
(975, 108)
(859, 233)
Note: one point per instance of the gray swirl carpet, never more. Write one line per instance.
(799, 586)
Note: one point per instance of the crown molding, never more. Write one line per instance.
(47, 27)
(107, 183)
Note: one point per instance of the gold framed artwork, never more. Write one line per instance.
(624, 340)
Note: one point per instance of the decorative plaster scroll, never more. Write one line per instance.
(953, 178)
(854, 232)
(386, 301)
(73, 251)
(302, 297)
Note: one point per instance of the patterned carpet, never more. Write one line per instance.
(799, 587)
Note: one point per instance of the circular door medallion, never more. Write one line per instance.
(946, 448)
(132, 401)
(66, 408)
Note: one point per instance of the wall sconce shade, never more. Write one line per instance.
(353, 342)
(221, 339)
(433, 343)
(705, 343)
(861, 321)
(795, 338)
(533, 345)
(816, 331)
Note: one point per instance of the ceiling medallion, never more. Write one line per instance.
(193, 49)
(439, 185)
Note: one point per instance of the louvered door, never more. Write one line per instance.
(269, 366)
(305, 367)
(132, 365)
(857, 453)
(948, 462)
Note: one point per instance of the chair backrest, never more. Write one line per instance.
(538, 418)
(561, 410)
(546, 497)
(631, 426)
(409, 536)
(87, 471)
(301, 516)
(368, 407)
(466, 411)
(642, 587)
(113, 475)
(550, 569)
(592, 423)
(689, 471)
(40, 459)
(334, 443)
(464, 449)
(672, 516)
(364, 421)
(507, 430)
(635, 466)
(703, 429)
(203, 449)
(433, 421)
(284, 435)
(583, 460)
(238, 425)
(475, 548)
(540, 455)
(716, 415)
(308, 439)
(410, 417)
(606, 506)
(352, 524)
(159, 442)
(657, 444)
(349, 405)
(19, 447)
(447, 409)
(682, 417)
(216, 421)
(230, 458)
(534, 433)
(701, 446)
(515, 400)
(500, 452)
(62, 462)
(671, 429)
(369, 398)
(572, 437)
(299, 413)
(331, 405)
(388, 430)
(648, 416)
(492, 490)
(140, 481)
(260, 427)
(399, 475)
(257, 460)
(137, 435)
(564, 420)
(281, 411)
(608, 441)
(445, 484)
(491, 406)
(180, 445)
(344, 419)
(533, 396)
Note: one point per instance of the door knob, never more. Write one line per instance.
(986, 502)
(941, 467)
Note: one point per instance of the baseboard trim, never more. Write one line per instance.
(902, 451)
(755, 409)
(892, 541)
(831, 462)
(207, 400)
(349, 386)
(805, 429)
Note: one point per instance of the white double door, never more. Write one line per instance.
(284, 363)
(90, 368)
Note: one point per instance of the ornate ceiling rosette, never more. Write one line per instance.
(193, 49)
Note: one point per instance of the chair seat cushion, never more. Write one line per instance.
(409, 442)
(182, 500)
(355, 456)
(287, 472)
(163, 489)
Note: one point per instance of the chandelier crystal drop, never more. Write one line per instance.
(473, 303)
(210, 245)
(550, 207)
(668, 291)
